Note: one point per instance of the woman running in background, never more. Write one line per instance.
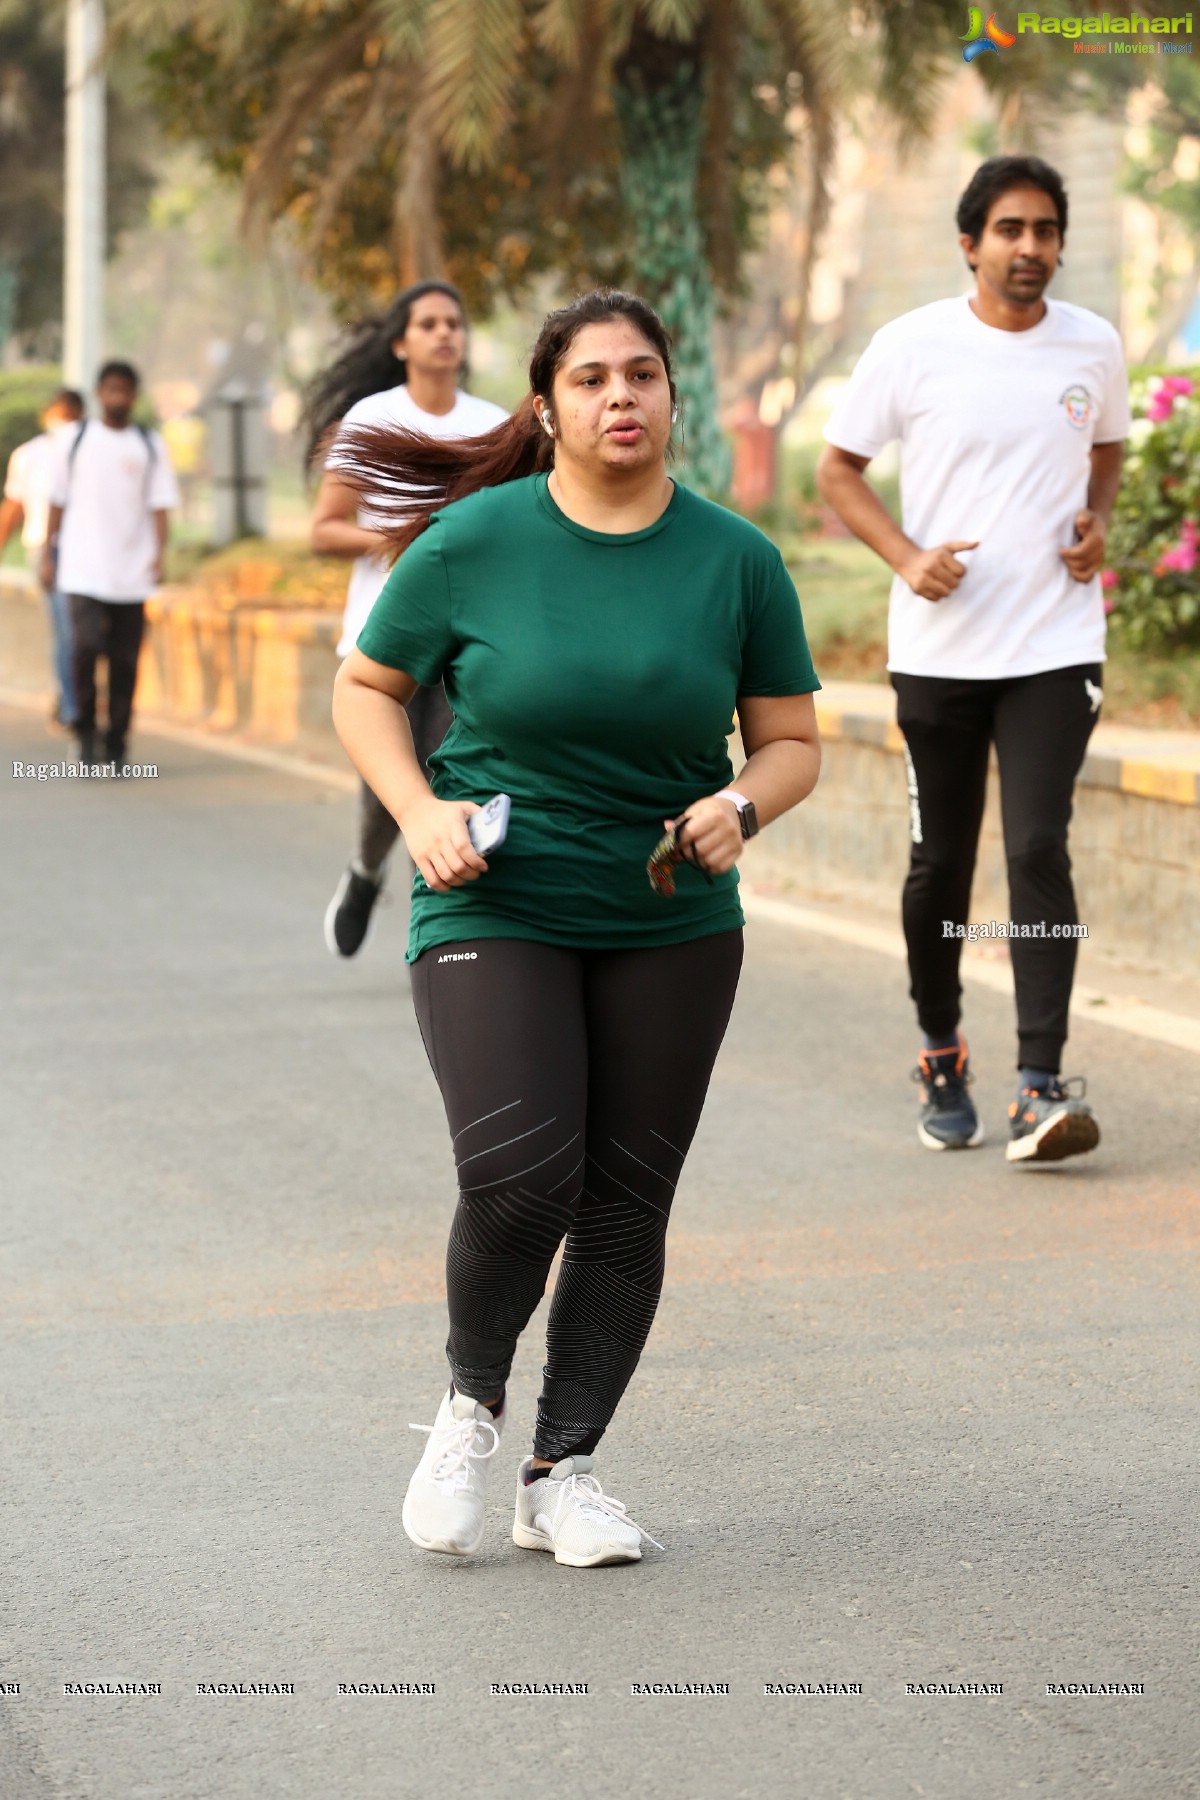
(401, 371)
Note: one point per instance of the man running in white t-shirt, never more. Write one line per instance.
(1010, 410)
(111, 497)
(423, 339)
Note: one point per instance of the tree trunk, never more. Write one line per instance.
(417, 231)
(9, 284)
(661, 122)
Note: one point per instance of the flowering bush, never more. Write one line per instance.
(1152, 579)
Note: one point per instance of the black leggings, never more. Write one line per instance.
(1040, 725)
(573, 1082)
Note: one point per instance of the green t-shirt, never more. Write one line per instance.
(593, 678)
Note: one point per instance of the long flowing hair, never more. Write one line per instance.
(405, 477)
(366, 365)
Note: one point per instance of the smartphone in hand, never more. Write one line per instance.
(488, 828)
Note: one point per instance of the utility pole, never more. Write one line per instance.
(83, 284)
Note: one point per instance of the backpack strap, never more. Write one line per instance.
(146, 437)
(73, 452)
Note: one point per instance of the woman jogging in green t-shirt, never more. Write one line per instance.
(595, 625)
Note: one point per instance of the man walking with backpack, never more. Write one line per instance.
(111, 497)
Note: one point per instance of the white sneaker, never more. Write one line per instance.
(444, 1505)
(568, 1512)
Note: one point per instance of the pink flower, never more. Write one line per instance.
(1109, 605)
(1182, 557)
(1108, 579)
(1161, 403)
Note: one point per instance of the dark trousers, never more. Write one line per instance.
(429, 718)
(573, 1082)
(1040, 725)
(112, 629)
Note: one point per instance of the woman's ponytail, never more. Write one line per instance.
(404, 477)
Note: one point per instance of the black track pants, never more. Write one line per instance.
(573, 1082)
(1040, 725)
(113, 629)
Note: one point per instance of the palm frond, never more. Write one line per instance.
(915, 50)
(356, 142)
(474, 60)
(560, 26)
(222, 21)
(307, 82)
(679, 19)
(812, 37)
(406, 23)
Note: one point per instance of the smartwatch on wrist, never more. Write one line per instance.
(747, 817)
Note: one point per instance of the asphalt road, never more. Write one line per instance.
(902, 1419)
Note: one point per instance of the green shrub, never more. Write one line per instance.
(23, 394)
(1152, 577)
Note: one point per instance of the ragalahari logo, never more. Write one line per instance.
(991, 36)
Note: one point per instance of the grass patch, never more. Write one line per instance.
(843, 590)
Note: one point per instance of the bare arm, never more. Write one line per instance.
(368, 714)
(1105, 478)
(335, 530)
(930, 573)
(783, 762)
(54, 521)
(162, 527)
(11, 514)
(1086, 555)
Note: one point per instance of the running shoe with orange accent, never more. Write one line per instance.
(1049, 1123)
(948, 1118)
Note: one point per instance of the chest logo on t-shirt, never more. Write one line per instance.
(1079, 406)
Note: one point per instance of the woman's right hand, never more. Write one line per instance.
(435, 832)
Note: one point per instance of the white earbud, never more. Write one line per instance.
(674, 414)
(548, 424)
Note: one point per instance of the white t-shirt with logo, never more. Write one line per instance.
(30, 472)
(468, 417)
(996, 428)
(110, 490)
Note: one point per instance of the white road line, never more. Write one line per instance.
(283, 762)
(1152, 1022)
(1086, 1003)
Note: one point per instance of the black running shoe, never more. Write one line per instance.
(948, 1118)
(1051, 1123)
(349, 912)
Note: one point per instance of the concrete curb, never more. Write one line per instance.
(1132, 760)
(264, 675)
